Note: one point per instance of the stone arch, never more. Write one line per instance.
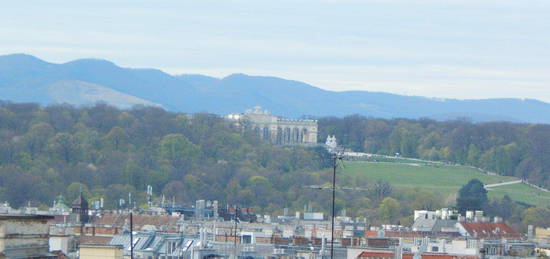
(287, 137)
(295, 135)
(279, 140)
(304, 136)
(265, 133)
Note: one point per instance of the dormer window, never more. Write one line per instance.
(135, 243)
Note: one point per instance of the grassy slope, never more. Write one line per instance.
(441, 179)
(522, 192)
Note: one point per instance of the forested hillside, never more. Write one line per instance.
(48, 151)
(53, 150)
(511, 149)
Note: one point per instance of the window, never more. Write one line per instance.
(172, 247)
(247, 239)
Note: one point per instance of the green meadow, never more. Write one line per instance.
(440, 179)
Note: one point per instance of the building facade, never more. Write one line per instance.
(278, 130)
(25, 236)
(92, 251)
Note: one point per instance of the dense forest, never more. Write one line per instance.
(506, 148)
(48, 151)
(109, 153)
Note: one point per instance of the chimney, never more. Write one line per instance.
(469, 215)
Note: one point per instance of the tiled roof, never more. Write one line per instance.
(442, 224)
(490, 230)
(432, 225)
(422, 224)
(371, 233)
(149, 241)
(120, 239)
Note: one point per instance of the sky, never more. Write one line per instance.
(466, 49)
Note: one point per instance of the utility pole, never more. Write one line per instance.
(333, 204)
(131, 235)
(235, 239)
(337, 155)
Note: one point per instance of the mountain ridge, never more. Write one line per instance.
(24, 77)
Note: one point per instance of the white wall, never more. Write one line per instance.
(59, 243)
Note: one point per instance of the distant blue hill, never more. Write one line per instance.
(25, 78)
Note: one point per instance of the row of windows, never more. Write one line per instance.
(284, 136)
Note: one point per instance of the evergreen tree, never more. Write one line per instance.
(472, 196)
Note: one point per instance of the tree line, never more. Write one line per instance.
(512, 149)
(108, 153)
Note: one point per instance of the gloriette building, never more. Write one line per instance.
(277, 130)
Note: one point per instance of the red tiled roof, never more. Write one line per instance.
(490, 230)
(371, 233)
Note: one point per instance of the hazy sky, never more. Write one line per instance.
(437, 48)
